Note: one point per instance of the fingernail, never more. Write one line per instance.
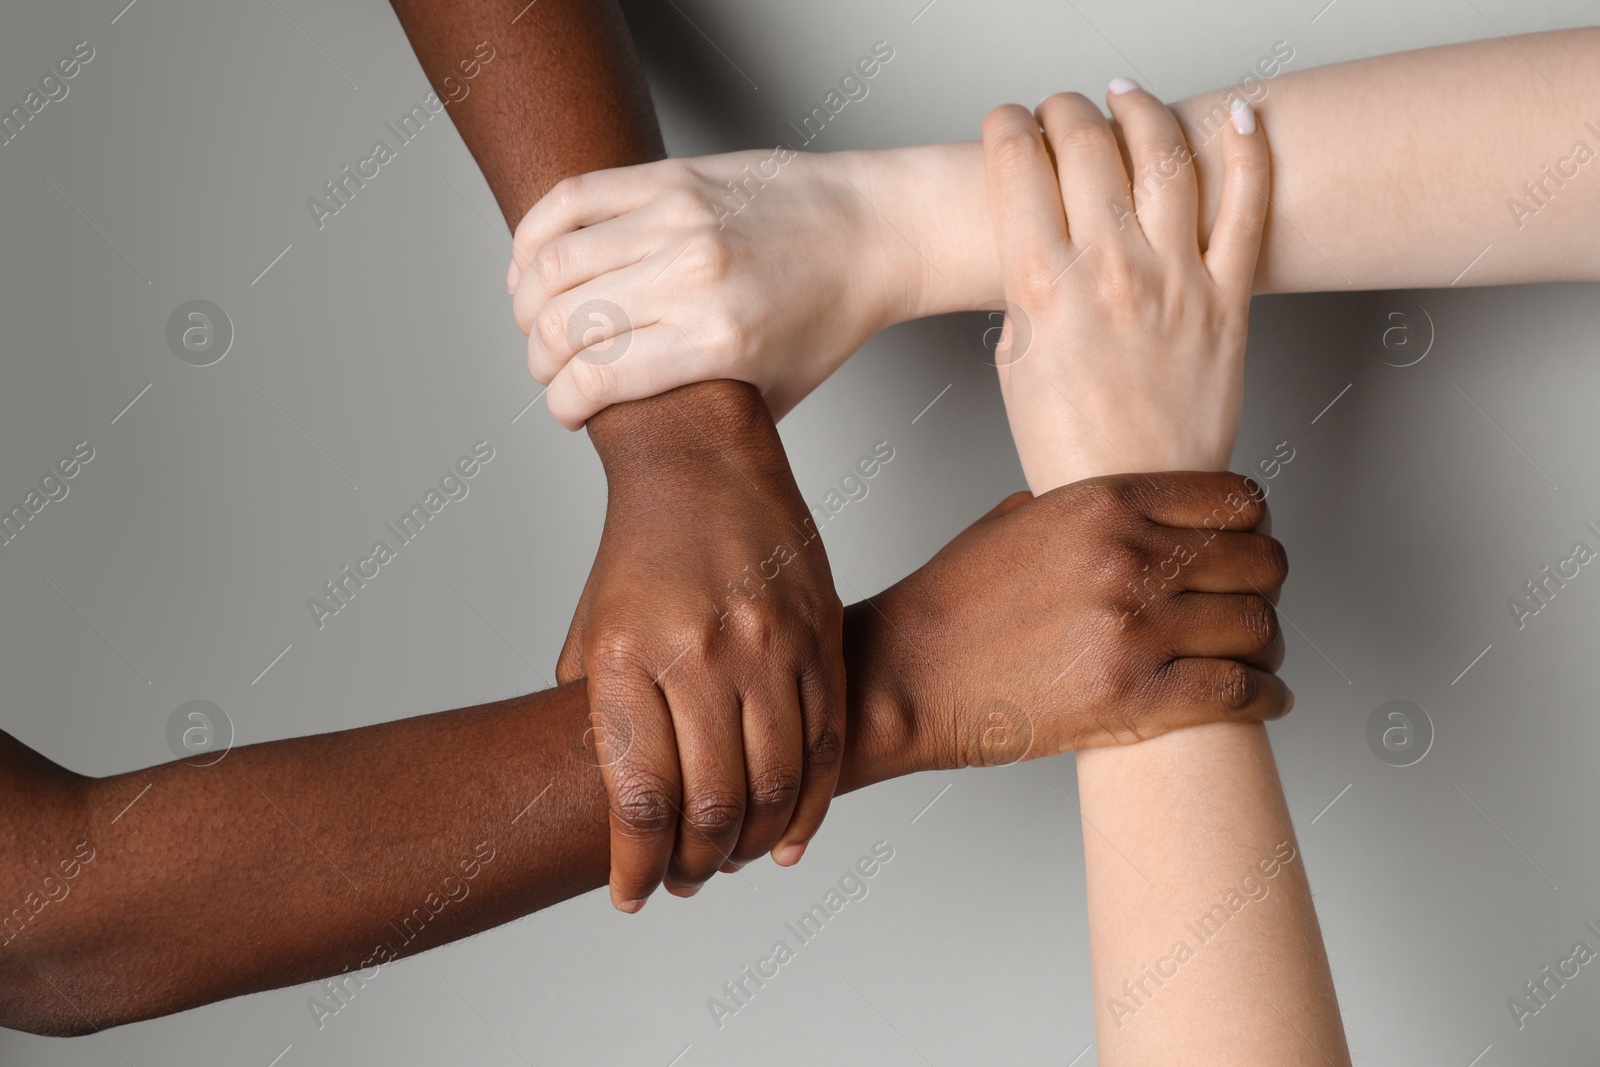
(1042, 99)
(1122, 85)
(1244, 116)
(511, 277)
(790, 855)
(684, 891)
(731, 867)
(629, 907)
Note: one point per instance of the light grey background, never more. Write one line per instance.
(376, 350)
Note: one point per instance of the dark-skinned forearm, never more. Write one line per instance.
(295, 860)
(564, 95)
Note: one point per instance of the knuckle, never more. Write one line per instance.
(774, 792)
(1011, 150)
(1080, 136)
(564, 195)
(824, 750)
(714, 815)
(550, 264)
(707, 257)
(551, 324)
(759, 627)
(643, 805)
(1234, 686)
(593, 381)
(611, 651)
(726, 335)
(1259, 622)
(1120, 562)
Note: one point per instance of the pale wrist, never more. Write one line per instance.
(926, 208)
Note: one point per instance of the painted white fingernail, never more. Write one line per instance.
(1244, 116)
(512, 276)
(1122, 85)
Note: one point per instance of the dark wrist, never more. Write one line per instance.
(885, 735)
(653, 437)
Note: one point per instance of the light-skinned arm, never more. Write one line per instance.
(1204, 941)
(1402, 170)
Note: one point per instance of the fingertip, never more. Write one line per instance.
(513, 275)
(788, 855)
(627, 907)
(1243, 116)
(1119, 86)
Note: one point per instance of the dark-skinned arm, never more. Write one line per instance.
(737, 716)
(163, 889)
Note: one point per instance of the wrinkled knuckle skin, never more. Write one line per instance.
(824, 751)
(774, 792)
(1259, 624)
(1236, 687)
(1084, 138)
(552, 326)
(550, 265)
(714, 816)
(643, 805)
(593, 381)
(1012, 152)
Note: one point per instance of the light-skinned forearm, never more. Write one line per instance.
(1389, 172)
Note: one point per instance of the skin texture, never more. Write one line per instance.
(714, 744)
(1396, 171)
(294, 860)
(1171, 826)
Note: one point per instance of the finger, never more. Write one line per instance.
(1227, 562)
(591, 314)
(630, 366)
(1224, 626)
(1094, 183)
(1024, 197)
(569, 260)
(637, 751)
(710, 737)
(581, 200)
(1242, 213)
(1193, 500)
(1164, 189)
(773, 750)
(822, 704)
(1197, 691)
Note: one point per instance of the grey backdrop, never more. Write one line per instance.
(373, 352)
